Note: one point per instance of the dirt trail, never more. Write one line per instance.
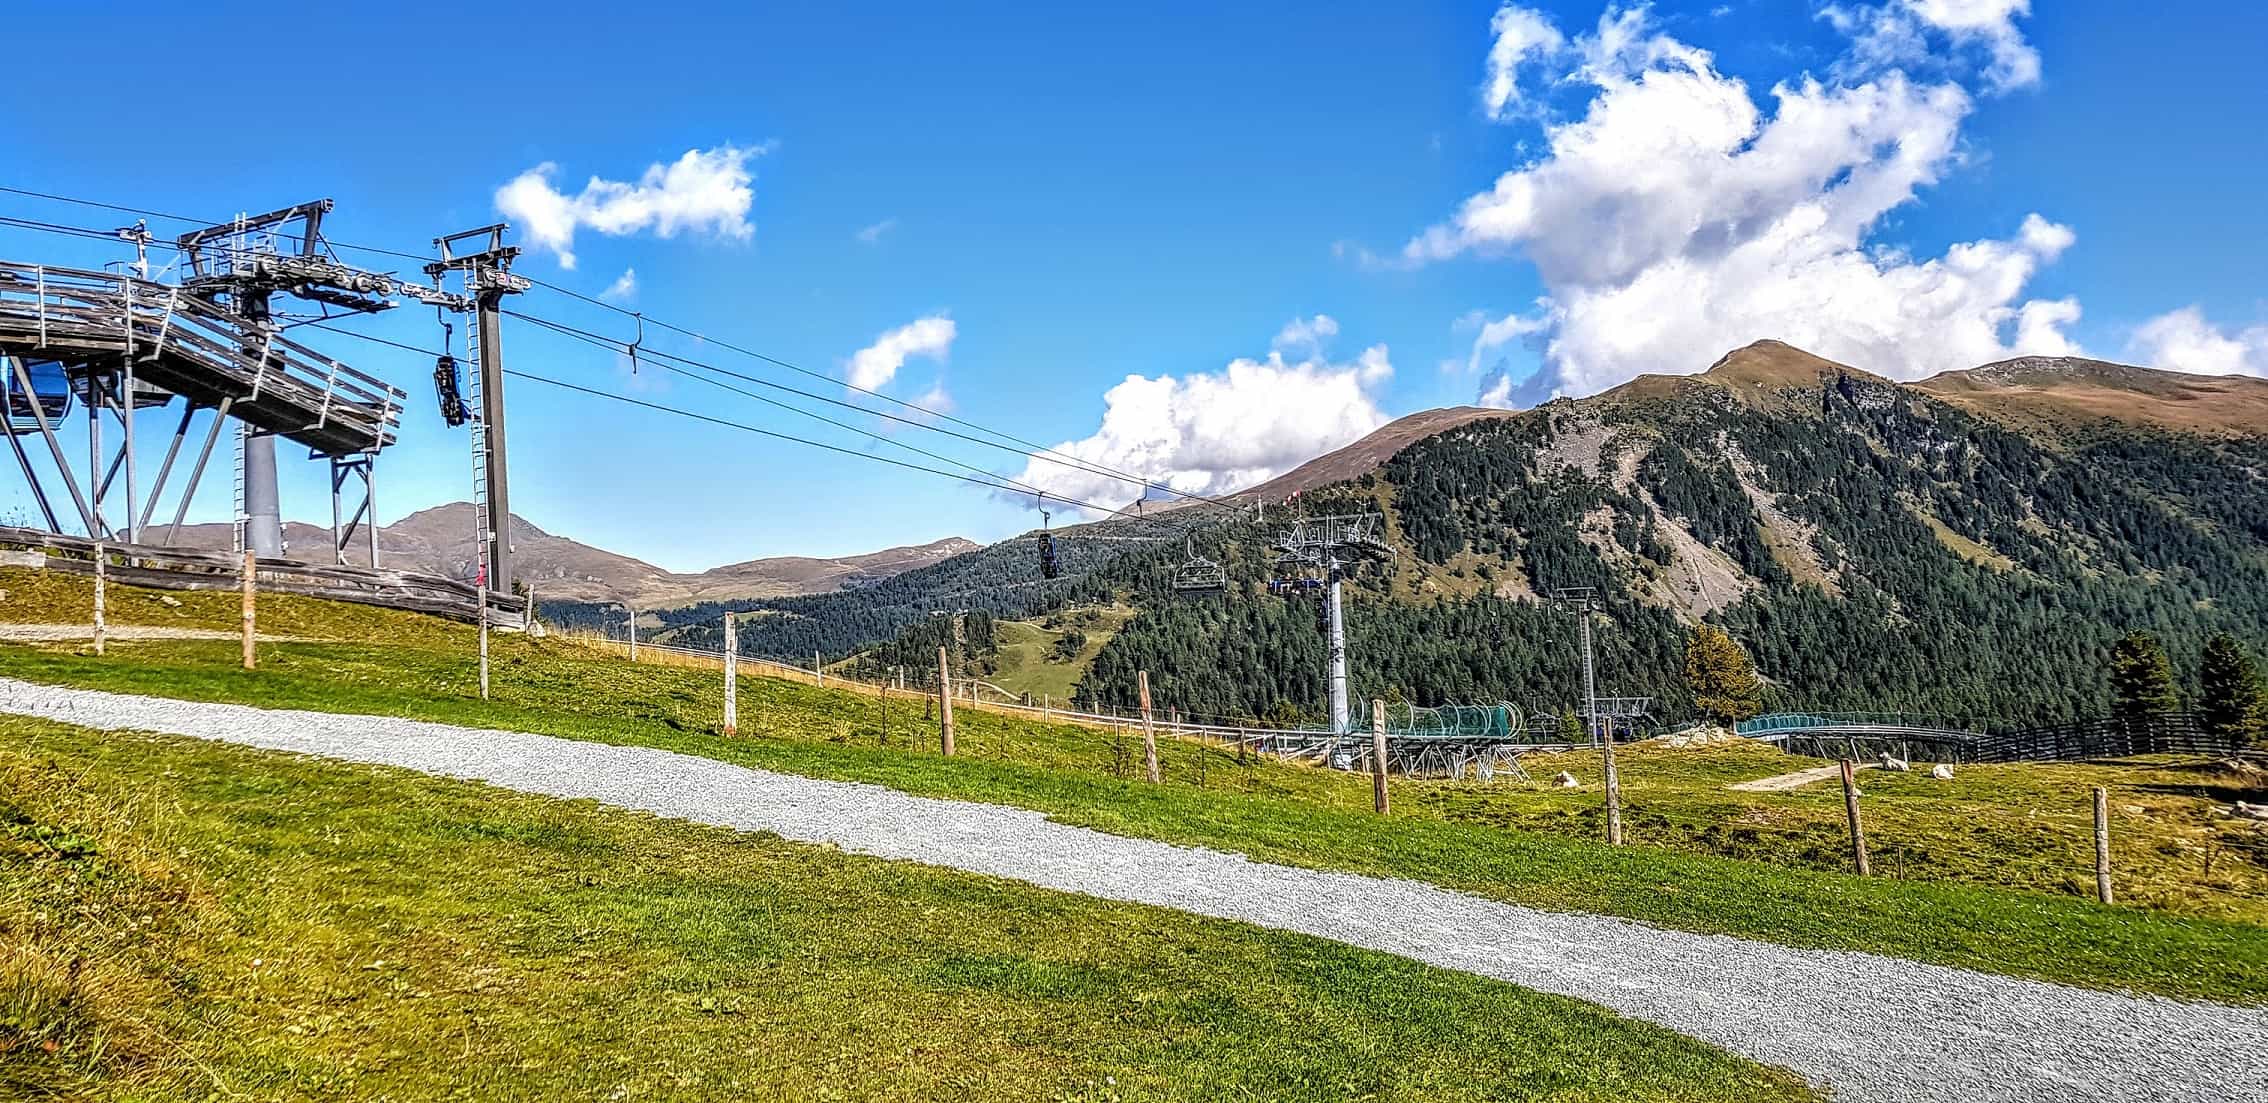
(1796, 780)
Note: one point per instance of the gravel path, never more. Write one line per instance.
(1797, 780)
(1866, 1027)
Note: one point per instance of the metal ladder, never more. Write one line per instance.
(483, 537)
(483, 534)
(243, 524)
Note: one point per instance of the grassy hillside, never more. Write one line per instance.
(187, 920)
(1029, 656)
(1756, 865)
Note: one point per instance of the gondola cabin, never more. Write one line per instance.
(49, 396)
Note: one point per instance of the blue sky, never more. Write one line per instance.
(1089, 193)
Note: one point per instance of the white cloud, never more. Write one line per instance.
(1306, 335)
(1218, 432)
(624, 287)
(873, 367)
(1676, 217)
(1501, 332)
(1518, 36)
(2183, 340)
(1903, 32)
(871, 235)
(704, 191)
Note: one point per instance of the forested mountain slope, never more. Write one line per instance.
(1875, 547)
(1967, 547)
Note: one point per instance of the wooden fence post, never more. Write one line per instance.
(2102, 845)
(1613, 783)
(818, 672)
(1149, 733)
(1378, 754)
(945, 704)
(101, 583)
(1850, 810)
(251, 571)
(480, 597)
(633, 633)
(882, 696)
(731, 677)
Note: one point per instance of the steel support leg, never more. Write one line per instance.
(126, 439)
(16, 445)
(165, 469)
(370, 502)
(54, 446)
(197, 472)
(96, 480)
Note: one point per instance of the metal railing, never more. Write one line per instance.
(192, 348)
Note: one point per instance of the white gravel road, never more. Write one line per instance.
(1866, 1027)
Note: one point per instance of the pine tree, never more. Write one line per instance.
(1571, 728)
(1720, 676)
(2232, 705)
(2142, 677)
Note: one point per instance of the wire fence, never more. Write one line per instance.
(2194, 867)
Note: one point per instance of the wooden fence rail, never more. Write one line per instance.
(185, 569)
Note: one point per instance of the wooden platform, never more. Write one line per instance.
(196, 350)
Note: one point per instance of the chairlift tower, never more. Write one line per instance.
(1583, 601)
(484, 263)
(1316, 553)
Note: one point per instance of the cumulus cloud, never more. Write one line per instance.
(1219, 432)
(704, 191)
(873, 367)
(871, 235)
(1676, 217)
(624, 287)
(1904, 32)
(2183, 340)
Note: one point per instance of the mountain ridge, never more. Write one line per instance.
(439, 540)
(1876, 547)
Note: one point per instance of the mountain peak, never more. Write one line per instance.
(1750, 372)
(1776, 364)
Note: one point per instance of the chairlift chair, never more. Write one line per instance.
(448, 391)
(1050, 566)
(1199, 575)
